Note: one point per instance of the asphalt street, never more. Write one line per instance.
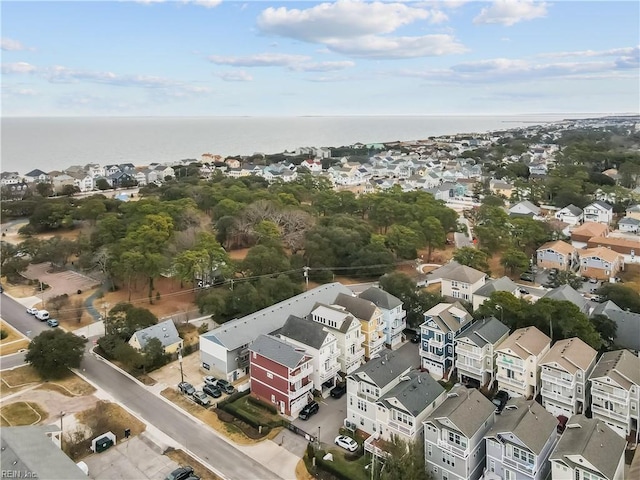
(203, 442)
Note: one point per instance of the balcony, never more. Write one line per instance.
(402, 428)
(297, 392)
(520, 466)
(334, 354)
(349, 358)
(521, 384)
(300, 374)
(603, 412)
(326, 374)
(615, 395)
(476, 370)
(467, 352)
(447, 447)
(546, 377)
(370, 397)
(566, 398)
(507, 362)
(433, 356)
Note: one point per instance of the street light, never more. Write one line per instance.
(62, 414)
(180, 361)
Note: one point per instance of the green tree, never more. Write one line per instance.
(154, 355)
(53, 352)
(514, 260)
(405, 461)
(434, 235)
(472, 257)
(403, 241)
(264, 260)
(124, 320)
(70, 190)
(566, 277)
(625, 297)
(102, 184)
(44, 189)
(606, 328)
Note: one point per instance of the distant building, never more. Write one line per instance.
(598, 211)
(582, 234)
(502, 284)
(601, 263)
(459, 281)
(165, 331)
(570, 214)
(629, 225)
(557, 254)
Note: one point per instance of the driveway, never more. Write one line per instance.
(67, 281)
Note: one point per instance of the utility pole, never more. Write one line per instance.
(306, 277)
(180, 361)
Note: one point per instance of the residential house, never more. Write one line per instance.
(570, 214)
(60, 181)
(581, 235)
(15, 191)
(500, 188)
(347, 330)
(628, 246)
(525, 209)
(370, 318)
(502, 284)
(441, 324)
(475, 350)
(454, 435)
(394, 317)
(35, 451)
(95, 170)
(165, 331)
(520, 442)
(615, 392)
(557, 254)
(10, 178)
(601, 263)
(588, 449)
(318, 342)
(120, 179)
(633, 211)
(402, 409)
(460, 281)
(281, 374)
(84, 182)
(629, 225)
(518, 362)
(370, 382)
(224, 350)
(141, 178)
(111, 170)
(164, 172)
(599, 212)
(627, 324)
(36, 176)
(566, 293)
(564, 371)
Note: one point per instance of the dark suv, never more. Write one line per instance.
(225, 386)
(186, 388)
(181, 473)
(309, 409)
(339, 390)
(500, 400)
(212, 391)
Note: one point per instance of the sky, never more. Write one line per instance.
(345, 57)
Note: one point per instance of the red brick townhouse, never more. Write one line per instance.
(281, 374)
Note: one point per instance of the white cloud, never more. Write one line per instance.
(205, 3)
(323, 66)
(235, 76)
(19, 91)
(614, 52)
(18, 67)
(510, 12)
(398, 47)
(260, 60)
(10, 45)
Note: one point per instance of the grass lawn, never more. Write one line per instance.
(17, 379)
(352, 469)
(71, 386)
(112, 417)
(262, 415)
(183, 458)
(14, 341)
(21, 413)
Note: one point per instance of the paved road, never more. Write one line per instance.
(203, 442)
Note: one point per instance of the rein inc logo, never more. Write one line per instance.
(7, 473)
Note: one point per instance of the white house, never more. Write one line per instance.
(460, 281)
(629, 225)
(598, 211)
(570, 214)
(503, 284)
(525, 208)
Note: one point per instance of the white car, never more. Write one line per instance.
(347, 443)
(32, 310)
(210, 380)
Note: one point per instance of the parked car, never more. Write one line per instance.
(225, 386)
(212, 391)
(180, 473)
(472, 383)
(42, 315)
(309, 410)
(192, 477)
(186, 388)
(553, 272)
(339, 390)
(415, 338)
(32, 310)
(210, 380)
(523, 291)
(201, 398)
(593, 280)
(500, 400)
(347, 443)
(562, 423)
(52, 322)
(528, 277)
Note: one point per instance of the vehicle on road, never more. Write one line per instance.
(339, 390)
(528, 277)
(42, 315)
(347, 443)
(553, 272)
(500, 400)
(32, 310)
(309, 410)
(415, 338)
(52, 322)
(201, 398)
(210, 380)
(212, 391)
(186, 388)
(523, 291)
(180, 473)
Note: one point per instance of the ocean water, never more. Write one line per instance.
(57, 143)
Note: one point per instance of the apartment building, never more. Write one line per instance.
(370, 318)
(281, 374)
(557, 254)
(520, 442)
(588, 450)
(518, 362)
(454, 435)
(394, 317)
(318, 342)
(564, 373)
(615, 390)
(475, 350)
(601, 263)
(441, 324)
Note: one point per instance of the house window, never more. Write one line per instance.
(457, 440)
(273, 399)
(429, 450)
(492, 465)
(523, 455)
(454, 284)
(509, 475)
(269, 375)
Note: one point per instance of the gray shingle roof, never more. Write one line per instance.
(622, 366)
(592, 440)
(502, 284)
(567, 293)
(165, 331)
(358, 307)
(487, 330)
(628, 328)
(629, 221)
(277, 350)
(529, 422)
(413, 395)
(575, 211)
(385, 368)
(242, 331)
(304, 331)
(465, 274)
(380, 298)
(602, 204)
(443, 315)
(29, 449)
(466, 408)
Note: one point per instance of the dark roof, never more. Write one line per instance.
(358, 307)
(165, 331)
(487, 330)
(575, 211)
(30, 450)
(592, 440)
(602, 204)
(415, 392)
(627, 324)
(383, 369)
(304, 331)
(569, 294)
(502, 284)
(35, 173)
(381, 298)
(466, 408)
(277, 350)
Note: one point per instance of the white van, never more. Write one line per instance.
(42, 315)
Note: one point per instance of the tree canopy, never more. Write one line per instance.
(54, 351)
